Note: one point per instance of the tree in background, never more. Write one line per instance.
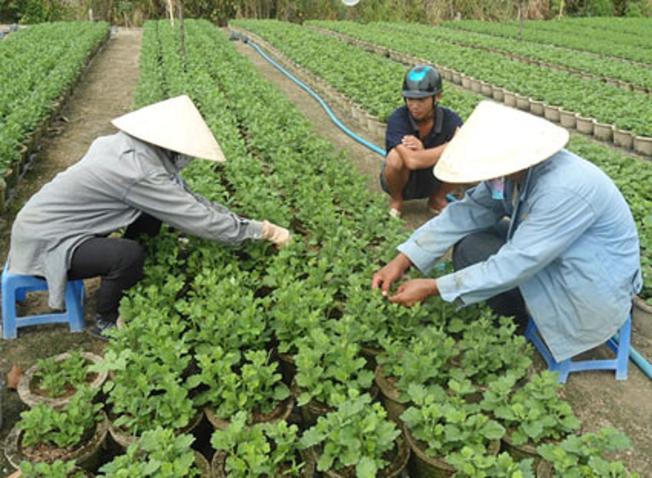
(134, 12)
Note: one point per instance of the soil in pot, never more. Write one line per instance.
(87, 455)
(31, 393)
(281, 412)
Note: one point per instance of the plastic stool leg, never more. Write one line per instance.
(21, 294)
(9, 328)
(74, 308)
(622, 356)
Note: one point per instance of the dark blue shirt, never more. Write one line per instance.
(400, 124)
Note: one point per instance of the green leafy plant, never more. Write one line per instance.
(446, 425)
(328, 366)
(145, 393)
(56, 377)
(535, 412)
(38, 65)
(487, 350)
(357, 435)
(469, 463)
(424, 360)
(56, 469)
(251, 385)
(262, 450)
(61, 428)
(158, 453)
(584, 456)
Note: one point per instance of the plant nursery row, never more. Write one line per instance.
(627, 110)
(630, 75)
(631, 42)
(39, 66)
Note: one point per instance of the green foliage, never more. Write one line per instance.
(61, 428)
(56, 469)
(158, 453)
(488, 350)
(423, 360)
(447, 425)
(357, 434)
(57, 376)
(37, 65)
(250, 385)
(297, 309)
(625, 109)
(469, 463)
(145, 393)
(535, 412)
(261, 450)
(584, 456)
(328, 366)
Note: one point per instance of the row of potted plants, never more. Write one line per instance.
(627, 110)
(38, 68)
(607, 42)
(550, 56)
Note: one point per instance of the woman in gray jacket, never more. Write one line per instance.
(129, 179)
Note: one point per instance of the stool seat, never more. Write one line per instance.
(619, 344)
(14, 289)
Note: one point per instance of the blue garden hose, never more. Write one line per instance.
(319, 100)
(634, 355)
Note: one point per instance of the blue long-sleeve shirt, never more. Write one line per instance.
(572, 250)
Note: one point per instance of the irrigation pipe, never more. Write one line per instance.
(634, 355)
(317, 98)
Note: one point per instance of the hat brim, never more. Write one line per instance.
(497, 141)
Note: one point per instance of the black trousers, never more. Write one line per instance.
(478, 247)
(118, 261)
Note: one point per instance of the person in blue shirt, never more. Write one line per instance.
(416, 136)
(545, 233)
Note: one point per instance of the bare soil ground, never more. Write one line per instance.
(597, 398)
(106, 91)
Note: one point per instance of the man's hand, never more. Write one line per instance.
(415, 290)
(393, 271)
(276, 234)
(412, 142)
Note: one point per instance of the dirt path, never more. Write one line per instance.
(106, 91)
(596, 397)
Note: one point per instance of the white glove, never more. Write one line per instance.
(276, 234)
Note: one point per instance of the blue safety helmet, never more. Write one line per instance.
(422, 81)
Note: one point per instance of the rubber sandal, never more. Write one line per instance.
(395, 213)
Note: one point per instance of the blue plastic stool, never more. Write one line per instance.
(15, 288)
(619, 344)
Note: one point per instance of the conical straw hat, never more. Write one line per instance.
(173, 124)
(497, 141)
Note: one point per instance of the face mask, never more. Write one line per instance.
(497, 187)
(181, 161)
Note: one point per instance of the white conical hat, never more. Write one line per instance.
(497, 141)
(173, 124)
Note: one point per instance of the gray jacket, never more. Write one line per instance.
(118, 178)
